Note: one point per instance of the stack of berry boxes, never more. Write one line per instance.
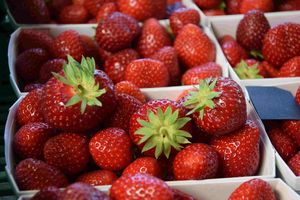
(202, 189)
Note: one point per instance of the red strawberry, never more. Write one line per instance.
(157, 120)
(271, 71)
(29, 109)
(262, 5)
(73, 14)
(283, 144)
(29, 140)
(78, 2)
(233, 6)
(291, 68)
(82, 191)
(115, 64)
(90, 47)
(38, 11)
(194, 75)
(68, 43)
(289, 5)
(252, 29)
(31, 174)
(55, 6)
(172, 6)
(194, 47)
(105, 10)
(140, 10)
(49, 193)
(99, 177)
(94, 5)
(214, 12)
(179, 195)
(253, 189)
(130, 89)
(297, 97)
(233, 51)
(281, 43)
(146, 165)
(157, 188)
(250, 69)
(207, 3)
(292, 128)
(29, 62)
(183, 16)
(226, 38)
(154, 37)
(146, 73)
(111, 149)
(160, 9)
(32, 86)
(221, 109)
(243, 142)
(168, 56)
(294, 164)
(103, 54)
(54, 65)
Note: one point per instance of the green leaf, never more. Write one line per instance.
(158, 149)
(149, 145)
(172, 119)
(145, 123)
(181, 122)
(183, 133)
(83, 106)
(74, 100)
(167, 147)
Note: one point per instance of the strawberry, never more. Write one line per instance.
(73, 14)
(78, 2)
(79, 98)
(93, 6)
(146, 73)
(29, 62)
(226, 38)
(140, 10)
(243, 142)
(37, 10)
(130, 89)
(90, 47)
(214, 12)
(168, 56)
(111, 149)
(206, 4)
(115, 64)
(82, 191)
(32, 86)
(250, 69)
(157, 120)
(297, 97)
(179, 195)
(262, 5)
(291, 68)
(283, 144)
(105, 10)
(194, 75)
(48, 193)
(292, 128)
(294, 164)
(31, 174)
(281, 43)
(98, 177)
(152, 187)
(117, 32)
(194, 47)
(233, 51)
(103, 54)
(126, 106)
(146, 165)
(53, 65)
(29, 109)
(183, 16)
(158, 35)
(233, 6)
(160, 9)
(289, 5)
(252, 29)
(172, 6)
(29, 140)
(271, 71)
(55, 6)
(219, 110)
(67, 151)
(253, 189)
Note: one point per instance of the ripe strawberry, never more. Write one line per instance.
(146, 165)
(168, 56)
(172, 6)
(79, 98)
(243, 142)
(157, 188)
(221, 109)
(250, 69)
(115, 64)
(158, 35)
(31, 174)
(160, 9)
(183, 16)
(126, 106)
(146, 73)
(226, 38)
(105, 10)
(252, 29)
(37, 10)
(93, 6)
(294, 164)
(73, 14)
(233, 51)
(194, 47)
(29, 109)
(289, 5)
(194, 75)
(206, 4)
(253, 189)
(54, 65)
(98, 177)
(55, 6)
(283, 144)
(140, 10)
(32, 86)
(90, 46)
(103, 54)
(130, 89)
(179, 195)
(233, 6)
(48, 193)
(262, 5)
(271, 71)
(82, 191)
(78, 2)
(29, 62)
(111, 149)
(281, 43)
(297, 97)
(291, 68)
(292, 128)
(157, 120)
(214, 12)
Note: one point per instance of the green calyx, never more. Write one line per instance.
(202, 97)
(80, 76)
(257, 54)
(247, 72)
(163, 131)
(222, 6)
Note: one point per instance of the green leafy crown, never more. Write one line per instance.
(247, 72)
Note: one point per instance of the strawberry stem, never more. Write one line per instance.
(257, 54)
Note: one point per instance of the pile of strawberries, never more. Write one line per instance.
(231, 7)
(260, 51)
